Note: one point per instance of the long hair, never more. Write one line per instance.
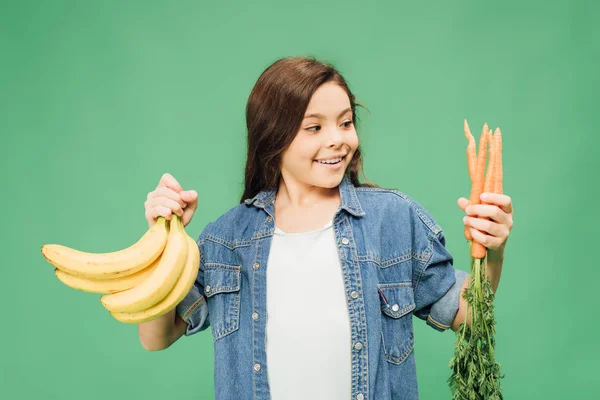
(274, 112)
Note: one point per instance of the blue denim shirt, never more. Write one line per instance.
(395, 265)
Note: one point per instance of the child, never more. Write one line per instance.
(309, 284)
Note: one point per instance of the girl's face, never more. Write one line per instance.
(327, 132)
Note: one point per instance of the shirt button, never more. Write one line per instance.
(207, 289)
(358, 345)
(254, 315)
(360, 396)
(269, 219)
(354, 294)
(345, 241)
(257, 367)
(395, 307)
(256, 265)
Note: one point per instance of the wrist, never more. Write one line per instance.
(496, 256)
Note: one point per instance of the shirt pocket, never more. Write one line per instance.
(222, 291)
(397, 302)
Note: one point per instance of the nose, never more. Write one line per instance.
(335, 138)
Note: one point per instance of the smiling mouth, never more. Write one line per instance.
(339, 160)
(329, 163)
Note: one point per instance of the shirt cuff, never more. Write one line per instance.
(194, 310)
(444, 310)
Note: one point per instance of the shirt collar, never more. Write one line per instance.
(349, 199)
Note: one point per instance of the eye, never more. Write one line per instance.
(347, 124)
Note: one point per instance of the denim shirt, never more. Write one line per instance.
(394, 263)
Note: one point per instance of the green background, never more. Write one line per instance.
(99, 99)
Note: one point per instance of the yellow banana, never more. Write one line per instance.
(175, 296)
(105, 286)
(156, 287)
(114, 264)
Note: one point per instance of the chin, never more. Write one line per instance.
(329, 182)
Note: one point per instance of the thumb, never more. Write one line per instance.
(191, 198)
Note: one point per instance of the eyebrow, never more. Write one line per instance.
(322, 116)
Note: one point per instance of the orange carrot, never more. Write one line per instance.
(498, 167)
(490, 183)
(477, 249)
(471, 151)
(471, 162)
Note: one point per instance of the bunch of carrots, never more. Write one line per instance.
(475, 372)
(493, 176)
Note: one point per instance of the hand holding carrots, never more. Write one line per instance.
(489, 224)
(489, 211)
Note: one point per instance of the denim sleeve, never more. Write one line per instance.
(437, 283)
(193, 308)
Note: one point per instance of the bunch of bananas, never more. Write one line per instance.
(139, 283)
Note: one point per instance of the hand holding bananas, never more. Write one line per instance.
(147, 279)
(169, 198)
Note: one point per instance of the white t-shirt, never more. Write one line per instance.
(308, 324)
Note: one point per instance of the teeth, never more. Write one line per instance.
(332, 161)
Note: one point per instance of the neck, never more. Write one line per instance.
(294, 194)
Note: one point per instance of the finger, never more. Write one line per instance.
(482, 210)
(167, 180)
(490, 227)
(161, 211)
(489, 211)
(499, 199)
(170, 194)
(488, 241)
(480, 237)
(166, 202)
(463, 203)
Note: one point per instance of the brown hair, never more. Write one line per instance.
(274, 112)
